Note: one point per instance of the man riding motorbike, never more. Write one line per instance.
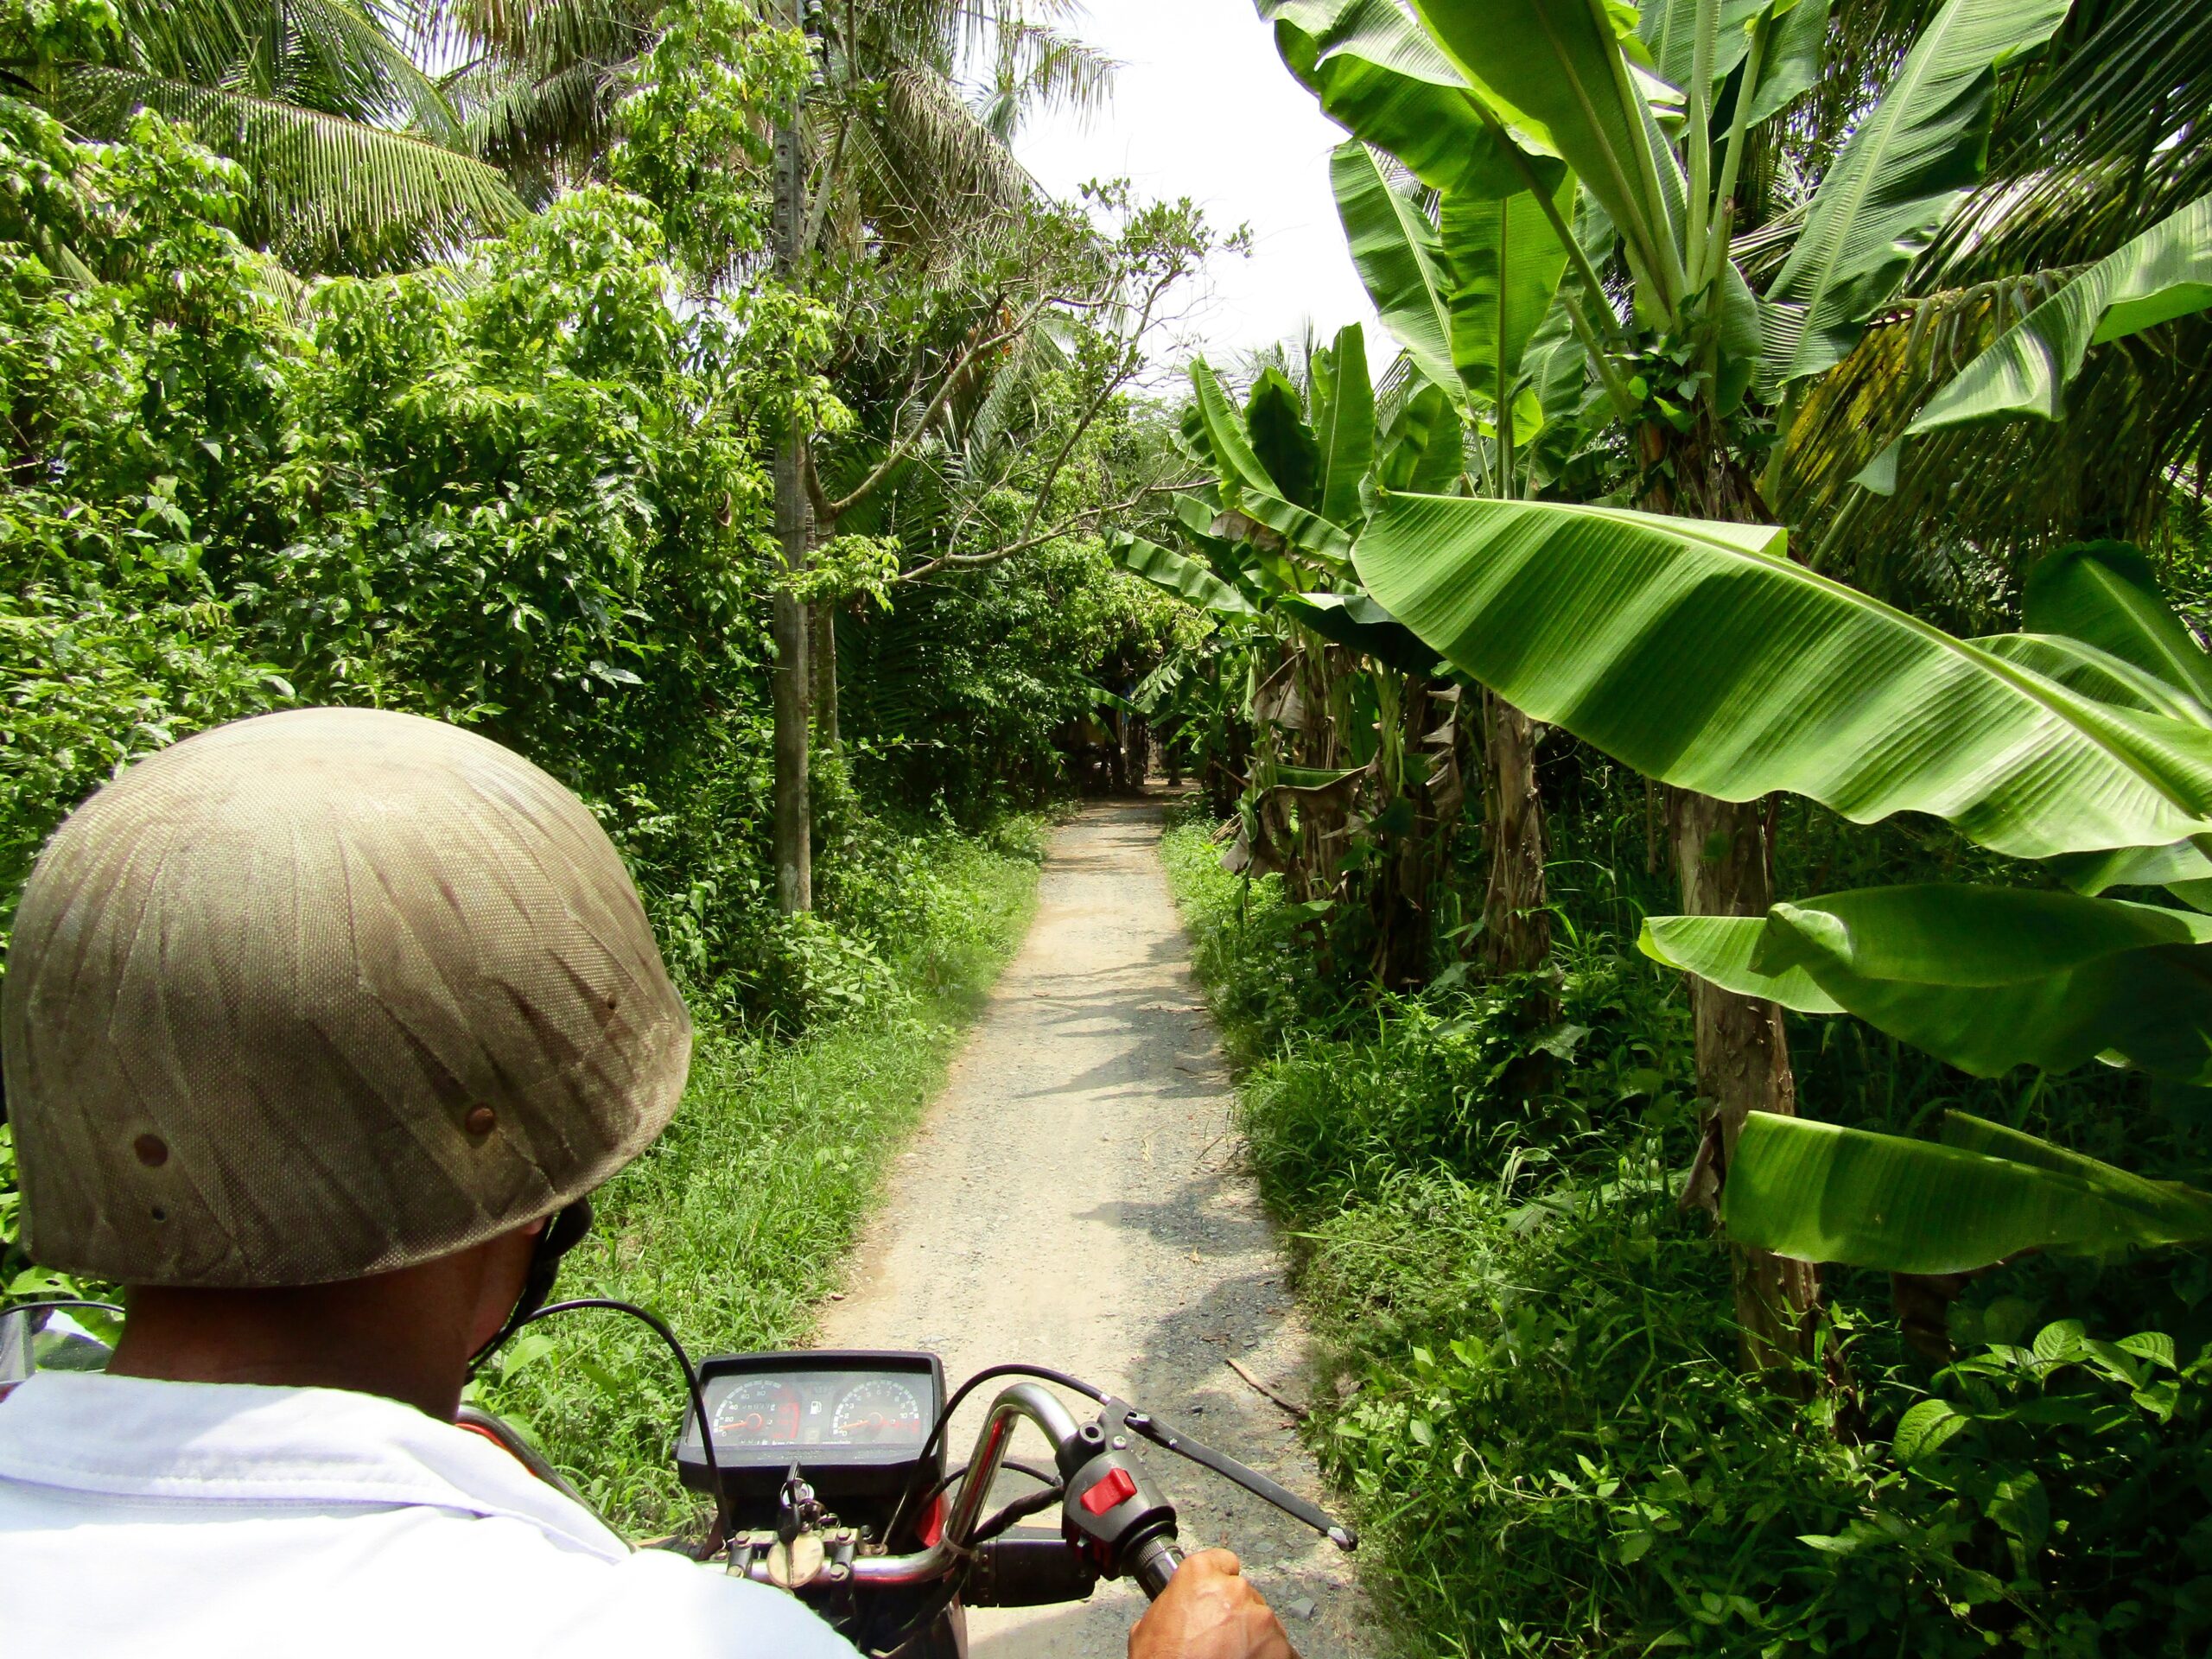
(318, 1028)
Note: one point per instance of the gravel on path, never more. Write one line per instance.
(1075, 1199)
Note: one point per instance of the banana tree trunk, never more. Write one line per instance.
(1724, 859)
(1516, 925)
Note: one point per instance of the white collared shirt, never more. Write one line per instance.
(181, 1519)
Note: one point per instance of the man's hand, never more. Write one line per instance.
(1209, 1610)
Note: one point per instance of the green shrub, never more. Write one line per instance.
(1537, 1407)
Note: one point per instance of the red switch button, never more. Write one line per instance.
(1114, 1487)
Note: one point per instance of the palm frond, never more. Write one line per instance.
(2099, 139)
(1040, 67)
(328, 194)
(337, 56)
(541, 129)
(1968, 507)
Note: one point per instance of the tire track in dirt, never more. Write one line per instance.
(1074, 1198)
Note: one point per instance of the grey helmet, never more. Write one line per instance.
(323, 993)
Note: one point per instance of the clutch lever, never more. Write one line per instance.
(1119, 1413)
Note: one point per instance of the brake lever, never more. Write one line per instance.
(1119, 1413)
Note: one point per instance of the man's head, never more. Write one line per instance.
(322, 996)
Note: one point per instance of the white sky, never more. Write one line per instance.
(1202, 107)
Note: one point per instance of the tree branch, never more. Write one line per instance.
(904, 446)
(971, 560)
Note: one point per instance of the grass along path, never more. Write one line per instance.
(735, 1224)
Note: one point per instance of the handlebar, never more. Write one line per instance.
(955, 1546)
(1157, 1557)
(1028, 1400)
(1114, 1523)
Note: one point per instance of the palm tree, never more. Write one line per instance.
(909, 121)
(358, 159)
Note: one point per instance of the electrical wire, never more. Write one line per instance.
(1020, 1509)
(1043, 1373)
(691, 1382)
(1028, 1469)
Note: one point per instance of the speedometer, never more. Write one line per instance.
(879, 1411)
(761, 1413)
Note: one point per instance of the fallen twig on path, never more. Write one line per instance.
(1290, 1406)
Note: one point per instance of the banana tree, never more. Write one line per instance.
(1654, 114)
(1352, 781)
(1463, 261)
(2084, 742)
(1989, 978)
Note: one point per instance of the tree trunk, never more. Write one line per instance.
(793, 814)
(822, 655)
(1723, 858)
(1516, 925)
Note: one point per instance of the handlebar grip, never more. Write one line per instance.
(1156, 1560)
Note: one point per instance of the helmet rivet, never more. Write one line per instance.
(481, 1121)
(152, 1150)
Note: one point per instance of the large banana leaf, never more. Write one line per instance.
(1984, 978)
(1399, 258)
(1236, 562)
(1505, 261)
(1796, 35)
(1303, 530)
(1378, 73)
(1669, 29)
(1689, 651)
(1344, 421)
(1913, 158)
(1422, 451)
(1246, 482)
(1275, 420)
(1235, 463)
(2094, 673)
(1722, 949)
(1185, 577)
(1797, 42)
(1561, 61)
(1558, 370)
(1825, 1194)
(2178, 867)
(2163, 274)
(1356, 621)
(2106, 594)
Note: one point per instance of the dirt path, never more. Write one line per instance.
(1073, 1199)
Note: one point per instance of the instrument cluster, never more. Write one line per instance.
(777, 1409)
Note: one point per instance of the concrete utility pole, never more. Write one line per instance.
(794, 818)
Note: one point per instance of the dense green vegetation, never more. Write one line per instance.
(1788, 434)
(524, 481)
(1537, 1403)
